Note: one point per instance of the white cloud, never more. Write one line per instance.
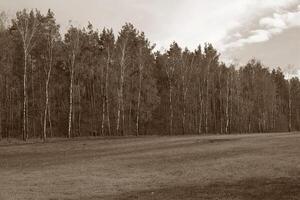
(255, 36)
(258, 36)
(282, 21)
(275, 21)
(268, 27)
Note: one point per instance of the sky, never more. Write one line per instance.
(267, 30)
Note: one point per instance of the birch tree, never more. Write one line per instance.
(27, 26)
(147, 97)
(126, 56)
(107, 39)
(51, 35)
(72, 42)
(122, 65)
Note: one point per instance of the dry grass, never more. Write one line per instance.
(258, 166)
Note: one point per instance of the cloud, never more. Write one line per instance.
(282, 21)
(275, 21)
(267, 27)
(255, 37)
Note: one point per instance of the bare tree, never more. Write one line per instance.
(51, 35)
(108, 42)
(121, 87)
(27, 26)
(74, 48)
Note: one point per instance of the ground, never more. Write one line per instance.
(256, 166)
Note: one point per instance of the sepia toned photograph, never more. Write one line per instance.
(149, 100)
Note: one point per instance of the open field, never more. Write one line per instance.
(258, 166)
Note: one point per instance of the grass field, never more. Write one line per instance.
(258, 166)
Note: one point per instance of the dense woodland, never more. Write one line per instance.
(101, 83)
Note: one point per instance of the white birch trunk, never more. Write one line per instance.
(71, 95)
(120, 92)
(50, 46)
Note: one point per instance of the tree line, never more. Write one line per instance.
(98, 83)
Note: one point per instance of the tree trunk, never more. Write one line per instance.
(121, 106)
(290, 108)
(10, 129)
(71, 96)
(79, 114)
(130, 113)
(49, 120)
(171, 107)
(207, 98)
(220, 103)
(45, 112)
(123, 116)
(106, 93)
(25, 96)
(139, 99)
(102, 104)
(200, 116)
(227, 106)
(200, 107)
(184, 110)
(93, 106)
(120, 92)
(103, 116)
(118, 111)
(47, 100)
(33, 128)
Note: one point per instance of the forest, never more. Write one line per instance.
(91, 82)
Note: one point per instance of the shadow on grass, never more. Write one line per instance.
(249, 189)
(35, 159)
